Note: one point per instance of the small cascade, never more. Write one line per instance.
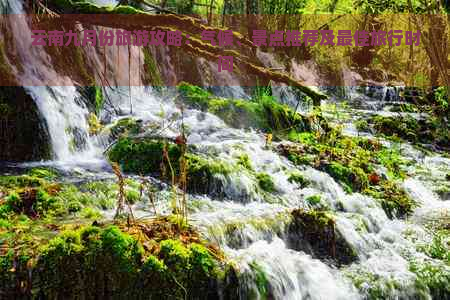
(252, 225)
(60, 104)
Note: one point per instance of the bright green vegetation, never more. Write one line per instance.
(299, 179)
(38, 195)
(261, 281)
(373, 286)
(104, 261)
(432, 278)
(262, 112)
(147, 157)
(143, 156)
(314, 200)
(439, 248)
(430, 130)
(265, 182)
(353, 163)
(49, 249)
(124, 127)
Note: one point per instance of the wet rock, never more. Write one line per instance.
(315, 233)
(23, 131)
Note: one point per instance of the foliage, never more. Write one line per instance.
(352, 162)
(262, 112)
(265, 182)
(299, 179)
(142, 157)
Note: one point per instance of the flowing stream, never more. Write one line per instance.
(260, 242)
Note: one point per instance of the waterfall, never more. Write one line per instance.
(258, 241)
(60, 105)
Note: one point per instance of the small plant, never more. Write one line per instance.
(121, 196)
(299, 179)
(265, 182)
(362, 125)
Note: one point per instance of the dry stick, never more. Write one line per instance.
(172, 173)
(120, 196)
(183, 171)
(145, 184)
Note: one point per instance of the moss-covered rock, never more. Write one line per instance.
(429, 130)
(143, 156)
(106, 262)
(24, 132)
(203, 175)
(265, 182)
(124, 127)
(315, 233)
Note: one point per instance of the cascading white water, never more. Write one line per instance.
(380, 244)
(66, 117)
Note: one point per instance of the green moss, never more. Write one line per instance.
(95, 262)
(44, 173)
(314, 231)
(392, 160)
(194, 95)
(125, 126)
(152, 75)
(362, 125)
(142, 157)
(244, 161)
(90, 213)
(298, 178)
(374, 286)
(265, 182)
(393, 199)
(432, 279)
(21, 181)
(260, 280)
(431, 130)
(439, 248)
(352, 163)
(201, 173)
(47, 204)
(263, 112)
(132, 196)
(314, 200)
(307, 138)
(351, 179)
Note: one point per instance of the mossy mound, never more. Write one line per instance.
(106, 262)
(202, 175)
(146, 156)
(124, 127)
(315, 233)
(143, 156)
